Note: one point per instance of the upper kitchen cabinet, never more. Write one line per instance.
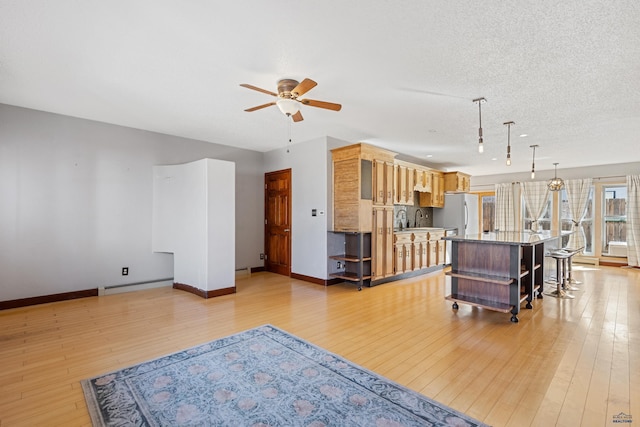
(457, 182)
(383, 188)
(435, 198)
(423, 180)
(404, 173)
(362, 177)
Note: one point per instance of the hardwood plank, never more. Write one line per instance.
(567, 362)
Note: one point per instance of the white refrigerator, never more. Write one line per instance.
(460, 211)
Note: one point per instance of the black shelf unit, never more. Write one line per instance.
(356, 259)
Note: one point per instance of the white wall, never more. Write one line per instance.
(310, 164)
(188, 223)
(604, 173)
(76, 202)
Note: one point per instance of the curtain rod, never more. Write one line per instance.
(609, 177)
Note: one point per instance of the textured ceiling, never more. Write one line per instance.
(566, 72)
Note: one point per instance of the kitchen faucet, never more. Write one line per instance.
(415, 219)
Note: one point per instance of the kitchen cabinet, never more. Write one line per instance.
(457, 182)
(422, 180)
(436, 248)
(420, 250)
(405, 182)
(403, 252)
(382, 243)
(435, 198)
(383, 182)
(355, 259)
(357, 174)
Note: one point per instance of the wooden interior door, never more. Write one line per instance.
(277, 228)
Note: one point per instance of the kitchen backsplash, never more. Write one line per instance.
(412, 216)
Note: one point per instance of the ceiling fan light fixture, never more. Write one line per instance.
(555, 184)
(288, 106)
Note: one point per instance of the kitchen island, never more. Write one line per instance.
(499, 270)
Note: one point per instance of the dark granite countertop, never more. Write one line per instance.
(524, 238)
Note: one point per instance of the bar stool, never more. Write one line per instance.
(570, 280)
(561, 257)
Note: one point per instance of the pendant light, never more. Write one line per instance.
(480, 142)
(533, 163)
(556, 183)
(508, 124)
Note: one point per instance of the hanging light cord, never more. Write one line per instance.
(480, 141)
(508, 124)
(533, 162)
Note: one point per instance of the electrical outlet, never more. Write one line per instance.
(339, 265)
(261, 256)
(125, 271)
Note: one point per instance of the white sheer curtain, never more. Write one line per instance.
(504, 208)
(633, 220)
(578, 191)
(536, 195)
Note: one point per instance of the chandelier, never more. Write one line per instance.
(555, 184)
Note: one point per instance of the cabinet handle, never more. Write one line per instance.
(286, 230)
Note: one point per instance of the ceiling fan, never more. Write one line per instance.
(289, 91)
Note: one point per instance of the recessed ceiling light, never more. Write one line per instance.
(429, 156)
(524, 135)
(493, 158)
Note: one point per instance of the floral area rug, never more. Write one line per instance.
(260, 377)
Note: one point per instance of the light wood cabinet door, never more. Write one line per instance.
(388, 184)
(383, 183)
(388, 242)
(382, 243)
(457, 182)
(411, 174)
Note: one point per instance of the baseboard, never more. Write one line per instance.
(136, 286)
(613, 264)
(202, 293)
(43, 299)
(310, 279)
(258, 269)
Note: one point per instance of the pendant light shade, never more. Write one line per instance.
(508, 125)
(556, 183)
(480, 141)
(533, 162)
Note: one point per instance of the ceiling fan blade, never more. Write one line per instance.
(297, 117)
(321, 104)
(268, 92)
(260, 107)
(305, 86)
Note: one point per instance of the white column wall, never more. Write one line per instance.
(194, 218)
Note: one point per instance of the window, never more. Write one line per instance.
(488, 212)
(614, 232)
(544, 223)
(566, 222)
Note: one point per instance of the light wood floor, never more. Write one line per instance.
(568, 362)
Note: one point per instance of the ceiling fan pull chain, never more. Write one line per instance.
(289, 132)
